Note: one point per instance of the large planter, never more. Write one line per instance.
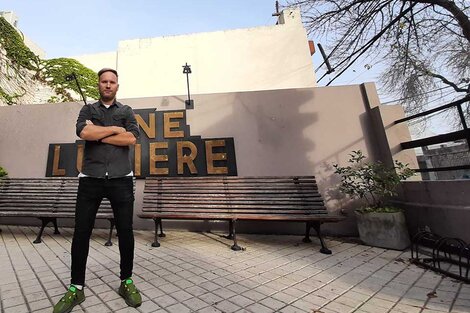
(385, 230)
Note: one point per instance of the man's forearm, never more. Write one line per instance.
(123, 139)
(94, 132)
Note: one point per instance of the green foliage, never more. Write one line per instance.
(386, 209)
(7, 98)
(54, 72)
(3, 172)
(16, 50)
(372, 182)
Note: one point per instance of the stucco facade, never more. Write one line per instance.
(260, 58)
(280, 132)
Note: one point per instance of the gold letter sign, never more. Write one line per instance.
(165, 148)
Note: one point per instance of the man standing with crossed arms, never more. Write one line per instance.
(109, 128)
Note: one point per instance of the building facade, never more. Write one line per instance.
(260, 58)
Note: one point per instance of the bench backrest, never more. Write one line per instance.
(241, 195)
(42, 196)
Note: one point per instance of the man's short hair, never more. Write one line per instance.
(106, 69)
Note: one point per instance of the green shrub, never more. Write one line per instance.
(371, 181)
(3, 172)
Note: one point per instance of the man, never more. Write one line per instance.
(109, 128)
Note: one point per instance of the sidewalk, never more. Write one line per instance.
(197, 272)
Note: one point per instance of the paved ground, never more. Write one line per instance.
(197, 272)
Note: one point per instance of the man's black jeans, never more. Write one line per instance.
(91, 191)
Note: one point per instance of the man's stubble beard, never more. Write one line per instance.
(106, 98)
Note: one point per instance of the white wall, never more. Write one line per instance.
(98, 61)
(261, 58)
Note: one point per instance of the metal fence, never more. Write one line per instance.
(457, 160)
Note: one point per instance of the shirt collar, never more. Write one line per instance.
(114, 103)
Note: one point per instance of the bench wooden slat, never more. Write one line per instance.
(44, 198)
(236, 198)
(253, 217)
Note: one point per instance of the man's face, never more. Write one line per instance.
(108, 86)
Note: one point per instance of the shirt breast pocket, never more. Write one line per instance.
(119, 120)
(97, 119)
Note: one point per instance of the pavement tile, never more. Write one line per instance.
(11, 302)
(178, 308)
(22, 308)
(227, 306)
(274, 274)
(210, 310)
(41, 304)
(196, 291)
(91, 301)
(210, 298)
(195, 304)
(272, 303)
(165, 301)
(98, 308)
(258, 308)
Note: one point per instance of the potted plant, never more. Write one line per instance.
(378, 224)
(3, 172)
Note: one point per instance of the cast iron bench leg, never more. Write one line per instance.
(158, 221)
(161, 230)
(111, 226)
(230, 230)
(56, 229)
(45, 221)
(324, 249)
(235, 246)
(308, 225)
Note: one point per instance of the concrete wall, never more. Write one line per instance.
(442, 207)
(261, 58)
(279, 132)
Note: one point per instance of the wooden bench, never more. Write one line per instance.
(294, 199)
(47, 199)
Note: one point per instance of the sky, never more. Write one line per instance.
(71, 28)
(67, 28)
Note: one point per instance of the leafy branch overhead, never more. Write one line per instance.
(371, 181)
(421, 44)
(3, 172)
(52, 72)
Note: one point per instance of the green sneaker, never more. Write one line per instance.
(129, 292)
(72, 297)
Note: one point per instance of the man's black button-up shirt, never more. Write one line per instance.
(101, 158)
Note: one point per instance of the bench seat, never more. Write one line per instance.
(292, 199)
(47, 199)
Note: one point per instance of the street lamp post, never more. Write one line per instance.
(187, 70)
(71, 77)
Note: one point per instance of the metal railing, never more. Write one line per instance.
(453, 136)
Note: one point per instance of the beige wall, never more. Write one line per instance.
(280, 132)
(98, 61)
(261, 58)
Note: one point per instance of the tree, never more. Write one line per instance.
(423, 45)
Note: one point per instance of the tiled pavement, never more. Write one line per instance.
(197, 272)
